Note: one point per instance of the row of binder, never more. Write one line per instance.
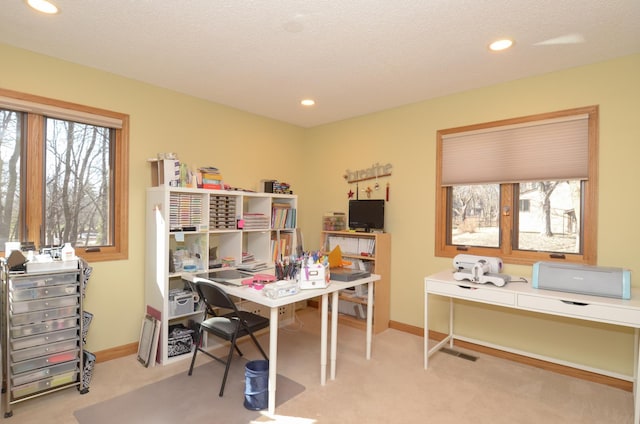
(353, 245)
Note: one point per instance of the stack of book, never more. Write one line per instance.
(281, 246)
(283, 216)
(282, 187)
(211, 178)
(248, 257)
(255, 221)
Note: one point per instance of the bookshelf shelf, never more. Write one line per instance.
(377, 260)
(354, 299)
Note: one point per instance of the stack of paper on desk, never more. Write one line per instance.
(253, 266)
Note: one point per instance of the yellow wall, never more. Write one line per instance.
(246, 147)
(405, 137)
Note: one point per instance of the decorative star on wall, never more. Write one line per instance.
(350, 194)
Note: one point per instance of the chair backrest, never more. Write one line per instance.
(214, 297)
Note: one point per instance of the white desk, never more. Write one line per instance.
(334, 287)
(522, 296)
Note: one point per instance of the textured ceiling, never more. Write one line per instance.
(352, 56)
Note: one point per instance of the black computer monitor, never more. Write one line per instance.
(366, 214)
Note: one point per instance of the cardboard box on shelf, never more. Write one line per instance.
(165, 172)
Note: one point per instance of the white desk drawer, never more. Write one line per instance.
(471, 292)
(583, 310)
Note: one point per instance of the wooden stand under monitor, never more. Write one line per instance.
(374, 249)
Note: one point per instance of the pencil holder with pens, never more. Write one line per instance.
(286, 270)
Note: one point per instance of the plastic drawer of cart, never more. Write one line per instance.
(41, 373)
(31, 281)
(44, 327)
(52, 337)
(35, 317)
(44, 292)
(46, 349)
(39, 305)
(42, 385)
(44, 361)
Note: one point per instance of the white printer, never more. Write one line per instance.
(479, 269)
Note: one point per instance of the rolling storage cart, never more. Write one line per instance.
(42, 333)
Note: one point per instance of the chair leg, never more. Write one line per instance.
(258, 345)
(229, 358)
(239, 351)
(195, 351)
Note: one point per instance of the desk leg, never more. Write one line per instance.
(369, 317)
(334, 333)
(451, 323)
(636, 389)
(426, 330)
(323, 338)
(273, 358)
(441, 343)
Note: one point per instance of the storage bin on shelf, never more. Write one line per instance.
(181, 302)
(180, 340)
(334, 221)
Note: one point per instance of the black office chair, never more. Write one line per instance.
(230, 326)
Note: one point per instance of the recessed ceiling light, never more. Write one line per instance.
(499, 45)
(43, 6)
(307, 102)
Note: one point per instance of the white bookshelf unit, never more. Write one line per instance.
(191, 230)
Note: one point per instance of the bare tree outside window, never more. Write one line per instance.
(78, 186)
(552, 222)
(475, 217)
(10, 148)
(64, 176)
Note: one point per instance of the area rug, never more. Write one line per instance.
(186, 399)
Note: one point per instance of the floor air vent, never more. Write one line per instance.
(459, 354)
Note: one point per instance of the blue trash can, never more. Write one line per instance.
(256, 387)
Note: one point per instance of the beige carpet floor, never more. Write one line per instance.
(186, 398)
(390, 388)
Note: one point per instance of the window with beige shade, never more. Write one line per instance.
(523, 189)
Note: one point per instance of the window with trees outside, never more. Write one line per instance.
(63, 176)
(522, 189)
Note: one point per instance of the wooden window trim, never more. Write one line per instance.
(35, 169)
(505, 252)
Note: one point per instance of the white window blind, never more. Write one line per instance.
(552, 149)
(58, 112)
